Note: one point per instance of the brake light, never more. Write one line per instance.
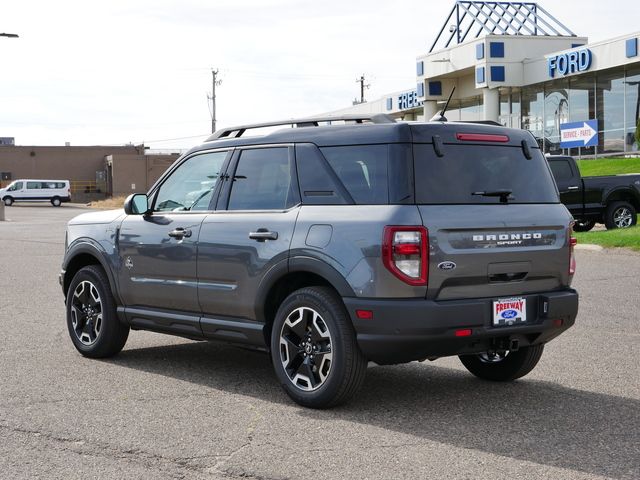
(481, 137)
(572, 259)
(404, 253)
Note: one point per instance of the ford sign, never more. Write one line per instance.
(570, 62)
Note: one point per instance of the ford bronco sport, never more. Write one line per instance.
(330, 246)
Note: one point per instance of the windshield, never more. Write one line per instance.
(472, 174)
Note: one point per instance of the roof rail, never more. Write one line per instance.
(235, 132)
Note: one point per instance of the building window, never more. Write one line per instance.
(632, 109)
(389, 103)
(496, 49)
(435, 88)
(479, 51)
(532, 110)
(582, 104)
(631, 46)
(610, 110)
(497, 73)
(480, 75)
(505, 108)
(556, 112)
(420, 69)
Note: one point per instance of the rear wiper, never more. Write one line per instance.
(503, 193)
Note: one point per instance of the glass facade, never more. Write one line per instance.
(467, 109)
(612, 97)
(632, 109)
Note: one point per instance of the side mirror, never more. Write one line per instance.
(136, 204)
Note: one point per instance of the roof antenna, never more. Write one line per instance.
(439, 117)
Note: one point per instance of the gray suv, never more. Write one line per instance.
(331, 246)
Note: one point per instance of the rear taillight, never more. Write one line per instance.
(404, 253)
(573, 241)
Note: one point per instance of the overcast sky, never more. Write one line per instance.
(113, 72)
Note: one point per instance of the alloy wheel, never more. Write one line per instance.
(306, 349)
(86, 312)
(622, 217)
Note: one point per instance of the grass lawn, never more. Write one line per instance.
(625, 237)
(608, 166)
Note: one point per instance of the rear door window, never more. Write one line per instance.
(467, 169)
(263, 181)
(363, 171)
(561, 169)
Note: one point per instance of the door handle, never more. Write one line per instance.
(180, 233)
(573, 188)
(263, 234)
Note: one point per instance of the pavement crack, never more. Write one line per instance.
(196, 464)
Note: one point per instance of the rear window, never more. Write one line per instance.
(467, 169)
(362, 169)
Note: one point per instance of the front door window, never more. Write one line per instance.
(190, 187)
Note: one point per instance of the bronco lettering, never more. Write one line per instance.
(504, 237)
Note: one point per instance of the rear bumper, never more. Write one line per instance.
(403, 330)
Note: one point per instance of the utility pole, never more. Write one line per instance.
(362, 87)
(214, 82)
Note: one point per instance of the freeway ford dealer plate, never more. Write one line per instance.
(509, 311)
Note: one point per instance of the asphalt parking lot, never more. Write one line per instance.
(172, 408)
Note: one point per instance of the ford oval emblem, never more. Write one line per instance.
(446, 265)
(509, 314)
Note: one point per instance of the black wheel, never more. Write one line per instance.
(503, 366)
(584, 225)
(93, 324)
(620, 215)
(56, 202)
(8, 201)
(314, 349)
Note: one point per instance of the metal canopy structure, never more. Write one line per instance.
(497, 18)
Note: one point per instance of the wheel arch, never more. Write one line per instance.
(80, 256)
(283, 279)
(623, 195)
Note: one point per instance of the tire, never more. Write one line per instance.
(314, 350)
(8, 201)
(56, 202)
(505, 368)
(101, 335)
(620, 215)
(584, 225)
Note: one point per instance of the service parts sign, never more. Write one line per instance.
(579, 134)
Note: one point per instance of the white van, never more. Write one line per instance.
(54, 191)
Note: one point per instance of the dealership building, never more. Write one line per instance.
(516, 64)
